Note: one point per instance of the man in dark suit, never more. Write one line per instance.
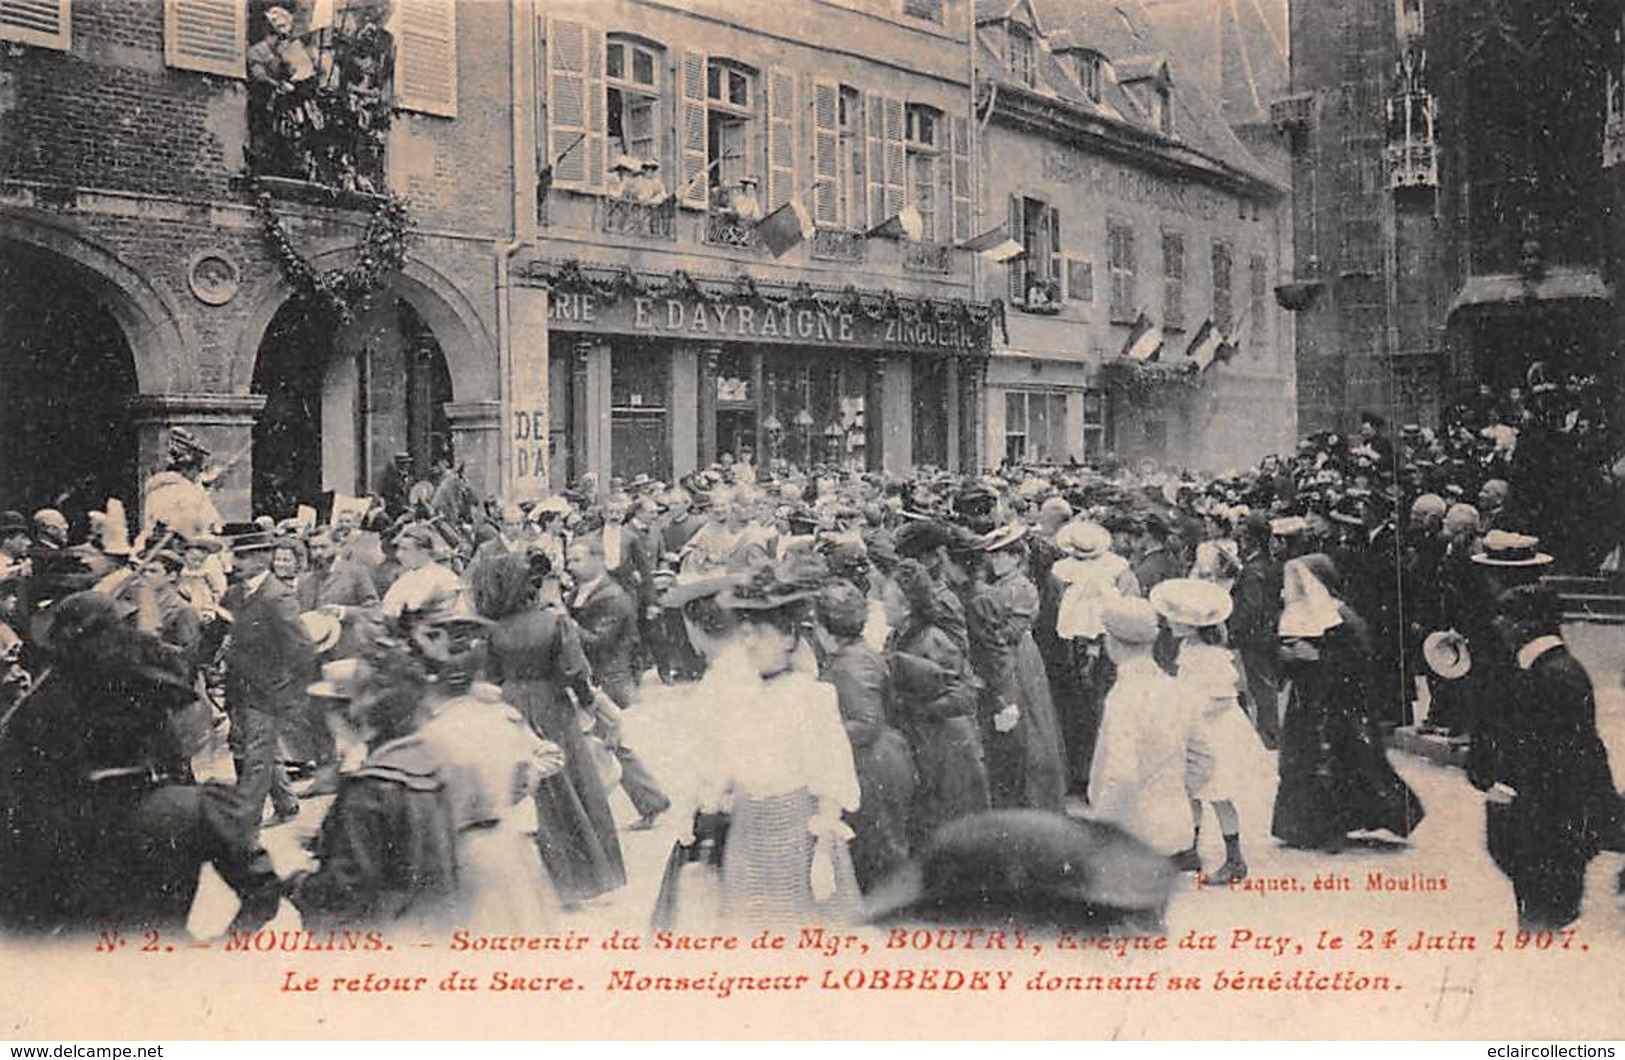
(269, 663)
(608, 624)
(1537, 756)
(1255, 621)
(1157, 562)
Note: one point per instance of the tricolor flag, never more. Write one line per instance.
(996, 244)
(1144, 340)
(1205, 346)
(904, 224)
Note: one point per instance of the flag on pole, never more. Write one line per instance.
(784, 228)
(1144, 339)
(995, 244)
(1205, 346)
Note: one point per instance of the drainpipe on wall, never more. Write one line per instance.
(522, 133)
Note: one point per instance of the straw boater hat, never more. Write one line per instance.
(1083, 539)
(1446, 654)
(1131, 620)
(1502, 548)
(1191, 602)
(1001, 538)
(323, 629)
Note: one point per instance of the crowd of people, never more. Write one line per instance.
(870, 664)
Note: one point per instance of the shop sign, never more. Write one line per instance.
(737, 321)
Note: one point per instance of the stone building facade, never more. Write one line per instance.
(1456, 186)
(1138, 207)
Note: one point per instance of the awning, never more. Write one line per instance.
(1511, 290)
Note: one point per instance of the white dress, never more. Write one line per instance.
(1137, 779)
(1230, 754)
(490, 762)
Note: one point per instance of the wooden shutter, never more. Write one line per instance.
(874, 110)
(1054, 216)
(426, 56)
(45, 23)
(210, 36)
(575, 101)
(826, 153)
(960, 154)
(781, 138)
(694, 187)
(896, 159)
(1018, 266)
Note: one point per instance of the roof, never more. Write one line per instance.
(1233, 50)
(1128, 37)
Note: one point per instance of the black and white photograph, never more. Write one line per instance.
(812, 519)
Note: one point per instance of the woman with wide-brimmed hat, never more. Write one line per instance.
(782, 765)
(534, 654)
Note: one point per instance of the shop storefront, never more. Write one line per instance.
(660, 375)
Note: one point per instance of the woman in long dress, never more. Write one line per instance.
(490, 762)
(1026, 763)
(880, 753)
(783, 770)
(1335, 775)
(534, 656)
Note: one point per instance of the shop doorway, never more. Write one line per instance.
(67, 376)
(340, 404)
(640, 386)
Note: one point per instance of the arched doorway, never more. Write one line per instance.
(67, 374)
(340, 403)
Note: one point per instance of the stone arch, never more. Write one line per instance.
(464, 339)
(151, 324)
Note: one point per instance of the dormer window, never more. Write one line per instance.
(1162, 110)
(1090, 74)
(1022, 57)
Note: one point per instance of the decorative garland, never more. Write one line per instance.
(571, 275)
(1139, 381)
(343, 291)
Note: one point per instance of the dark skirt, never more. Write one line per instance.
(575, 829)
(952, 776)
(1335, 774)
(886, 783)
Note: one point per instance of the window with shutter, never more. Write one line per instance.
(691, 131)
(45, 23)
(876, 110)
(1018, 266)
(575, 94)
(426, 56)
(1054, 275)
(1223, 303)
(781, 138)
(826, 154)
(1173, 280)
(210, 36)
(896, 160)
(961, 179)
(1120, 263)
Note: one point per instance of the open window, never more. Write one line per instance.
(633, 76)
(922, 129)
(1036, 277)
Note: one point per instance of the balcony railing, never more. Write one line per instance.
(1413, 164)
(835, 244)
(626, 218)
(726, 230)
(929, 257)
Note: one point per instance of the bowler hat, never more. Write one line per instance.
(13, 523)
